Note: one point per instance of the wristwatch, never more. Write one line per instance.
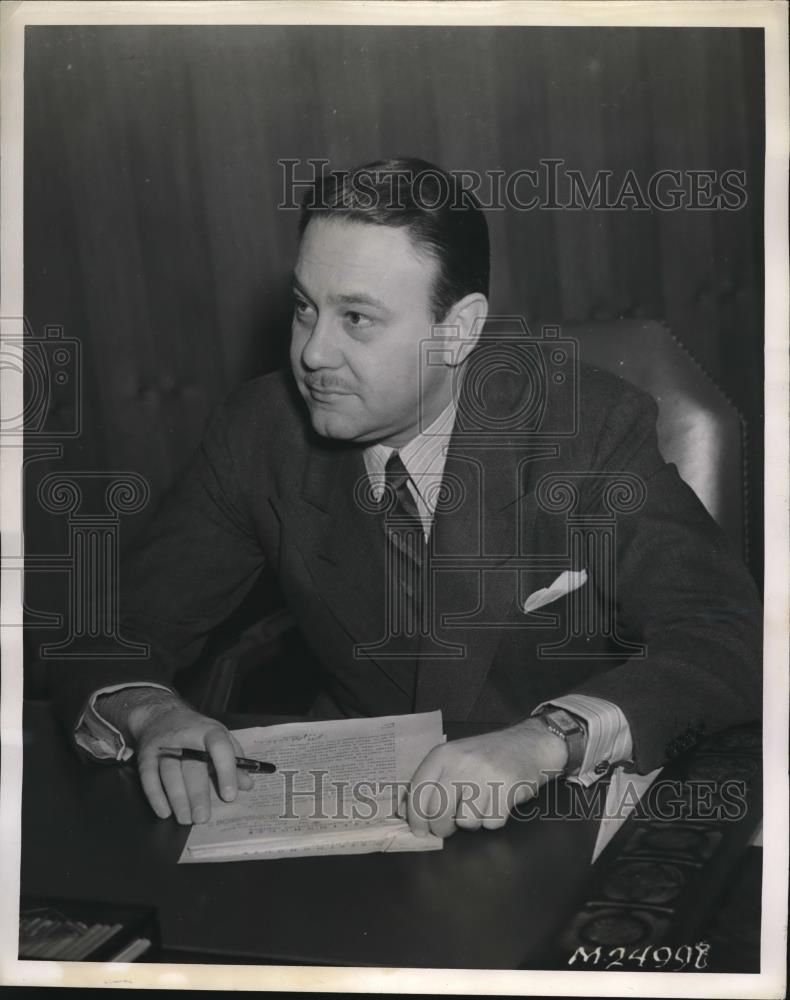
(569, 728)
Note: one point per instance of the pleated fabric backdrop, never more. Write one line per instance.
(151, 185)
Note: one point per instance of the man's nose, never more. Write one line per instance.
(321, 349)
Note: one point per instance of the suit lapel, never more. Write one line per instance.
(472, 543)
(340, 534)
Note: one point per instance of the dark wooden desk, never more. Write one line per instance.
(489, 899)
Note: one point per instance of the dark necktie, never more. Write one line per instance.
(406, 551)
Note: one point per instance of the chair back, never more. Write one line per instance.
(699, 429)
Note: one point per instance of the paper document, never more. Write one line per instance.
(338, 789)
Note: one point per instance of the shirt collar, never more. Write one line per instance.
(424, 456)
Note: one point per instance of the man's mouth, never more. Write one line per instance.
(325, 395)
(323, 392)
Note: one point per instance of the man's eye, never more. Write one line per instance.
(301, 308)
(357, 319)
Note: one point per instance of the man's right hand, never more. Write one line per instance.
(172, 785)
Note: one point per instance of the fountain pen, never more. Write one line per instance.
(245, 763)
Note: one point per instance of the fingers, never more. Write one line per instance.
(165, 787)
(441, 817)
(243, 778)
(420, 797)
(148, 766)
(431, 802)
(170, 770)
(440, 803)
(223, 757)
(440, 806)
(494, 822)
(186, 785)
(196, 783)
(173, 786)
(471, 809)
(181, 787)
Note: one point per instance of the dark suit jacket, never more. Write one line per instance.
(265, 490)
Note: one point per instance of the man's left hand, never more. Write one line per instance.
(474, 782)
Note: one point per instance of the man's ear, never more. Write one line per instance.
(467, 316)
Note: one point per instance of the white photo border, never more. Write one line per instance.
(772, 17)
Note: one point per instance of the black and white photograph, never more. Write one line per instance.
(394, 497)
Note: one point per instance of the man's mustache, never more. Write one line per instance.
(327, 383)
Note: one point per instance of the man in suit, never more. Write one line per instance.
(456, 521)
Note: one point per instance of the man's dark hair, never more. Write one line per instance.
(444, 220)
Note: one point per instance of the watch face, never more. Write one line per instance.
(564, 722)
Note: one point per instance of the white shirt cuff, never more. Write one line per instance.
(608, 734)
(98, 736)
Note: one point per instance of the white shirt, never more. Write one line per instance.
(423, 457)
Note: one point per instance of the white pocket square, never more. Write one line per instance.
(565, 583)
